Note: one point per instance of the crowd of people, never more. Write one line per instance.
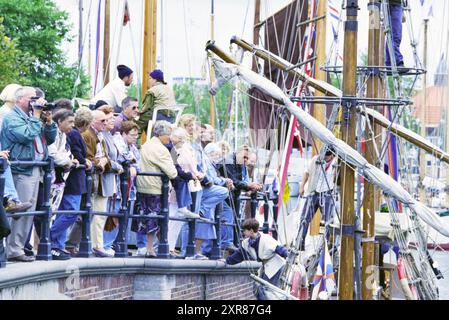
(106, 136)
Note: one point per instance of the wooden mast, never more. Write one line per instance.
(212, 72)
(319, 110)
(106, 46)
(149, 42)
(422, 118)
(149, 47)
(371, 195)
(347, 175)
(256, 31)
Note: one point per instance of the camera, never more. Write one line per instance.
(45, 107)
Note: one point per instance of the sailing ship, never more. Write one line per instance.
(291, 78)
(404, 217)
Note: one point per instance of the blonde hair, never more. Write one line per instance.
(83, 117)
(185, 120)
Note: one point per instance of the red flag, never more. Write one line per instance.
(126, 14)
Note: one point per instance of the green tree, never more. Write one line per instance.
(38, 28)
(12, 62)
(197, 99)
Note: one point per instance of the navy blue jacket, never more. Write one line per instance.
(76, 181)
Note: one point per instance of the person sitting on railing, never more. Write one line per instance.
(111, 183)
(213, 153)
(130, 110)
(158, 95)
(97, 154)
(263, 248)
(75, 185)
(207, 196)
(155, 157)
(26, 131)
(188, 174)
(235, 167)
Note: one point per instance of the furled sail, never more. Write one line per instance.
(346, 153)
(330, 90)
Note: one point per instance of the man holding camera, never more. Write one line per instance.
(26, 132)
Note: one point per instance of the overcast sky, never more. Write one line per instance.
(184, 28)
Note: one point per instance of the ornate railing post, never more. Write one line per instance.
(4, 224)
(190, 249)
(266, 212)
(253, 204)
(275, 214)
(216, 244)
(121, 243)
(85, 244)
(44, 248)
(163, 248)
(238, 218)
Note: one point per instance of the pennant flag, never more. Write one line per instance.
(286, 195)
(126, 14)
(324, 279)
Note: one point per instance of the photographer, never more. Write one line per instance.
(27, 130)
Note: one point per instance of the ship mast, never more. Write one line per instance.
(149, 47)
(319, 110)
(371, 195)
(347, 174)
(149, 42)
(422, 118)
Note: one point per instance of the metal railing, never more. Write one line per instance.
(126, 212)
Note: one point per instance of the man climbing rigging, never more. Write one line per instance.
(320, 177)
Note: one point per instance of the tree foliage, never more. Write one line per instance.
(39, 28)
(197, 98)
(12, 62)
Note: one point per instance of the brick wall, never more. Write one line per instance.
(114, 287)
(236, 287)
(188, 287)
(119, 279)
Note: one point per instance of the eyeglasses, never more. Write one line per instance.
(135, 108)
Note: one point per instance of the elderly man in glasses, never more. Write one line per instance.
(130, 110)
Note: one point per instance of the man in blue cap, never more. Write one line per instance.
(115, 91)
(158, 95)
